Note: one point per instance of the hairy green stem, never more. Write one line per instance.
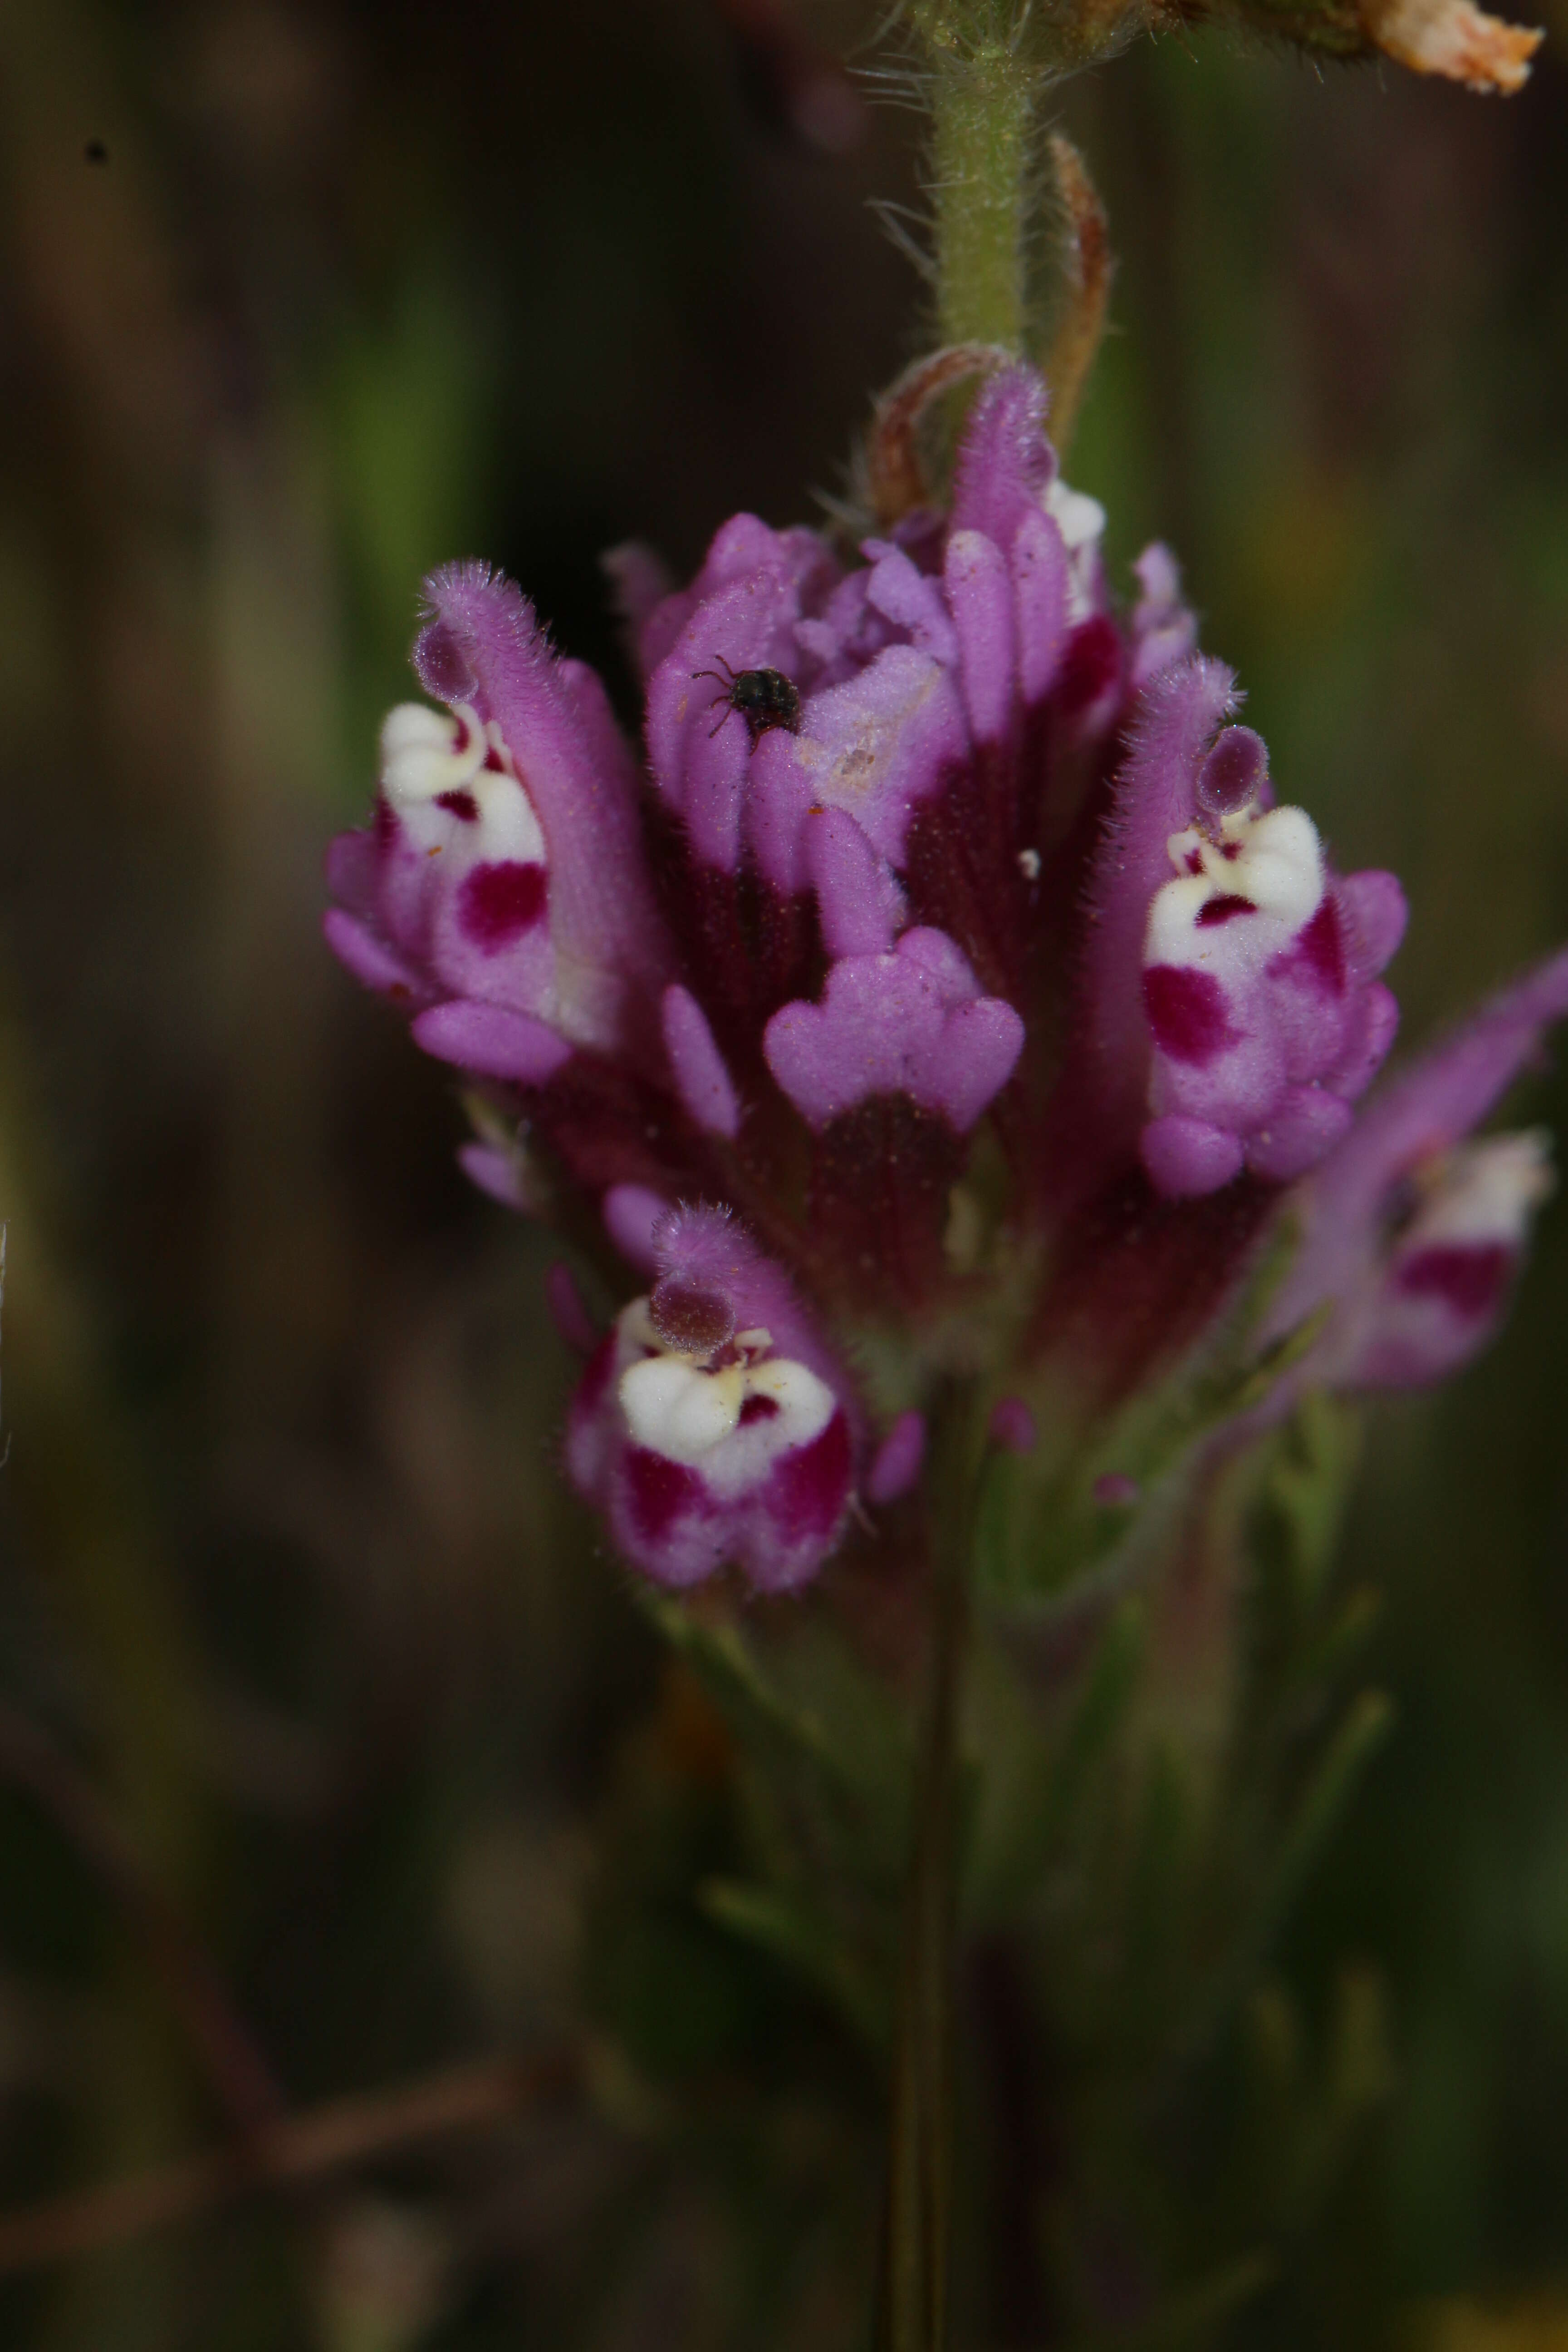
(912, 2315)
(981, 110)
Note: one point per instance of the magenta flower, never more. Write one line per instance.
(1412, 1232)
(910, 1022)
(956, 952)
(1252, 1017)
(711, 1423)
(501, 894)
(1259, 983)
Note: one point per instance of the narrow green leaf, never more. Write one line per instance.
(728, 1669)
(1042, 1533)
(1361, 1733)
(781, 1925)
(1036, 1816)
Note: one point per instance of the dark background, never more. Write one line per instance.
(287, 1575)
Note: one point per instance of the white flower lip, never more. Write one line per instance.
(426, 752)
(676, 1408)
(1485, 1192)
(1275, 861)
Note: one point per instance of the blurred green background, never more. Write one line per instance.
(297, 300)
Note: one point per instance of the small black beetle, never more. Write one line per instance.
(764, 698)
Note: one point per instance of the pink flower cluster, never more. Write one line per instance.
(950, 935)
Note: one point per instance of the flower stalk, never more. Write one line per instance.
(918, 2227)
(982, 117)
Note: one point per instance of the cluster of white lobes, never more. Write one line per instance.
(1271, 858)
(430, 758)
(733, 1410)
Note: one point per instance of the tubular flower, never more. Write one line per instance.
(953, 953)
(500, 892)
(1411, 1231)
(710, 1425)
(1259, 985)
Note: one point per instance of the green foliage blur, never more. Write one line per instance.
(297, 300)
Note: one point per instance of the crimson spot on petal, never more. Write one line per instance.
(1091, 664)
(1224, 910)
(1470, 1281)
(461, 803)
(758, 1407)
(497, 903)
(659, 1492)
(806, 1492)
(1186, 1012)
(1322, 944)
